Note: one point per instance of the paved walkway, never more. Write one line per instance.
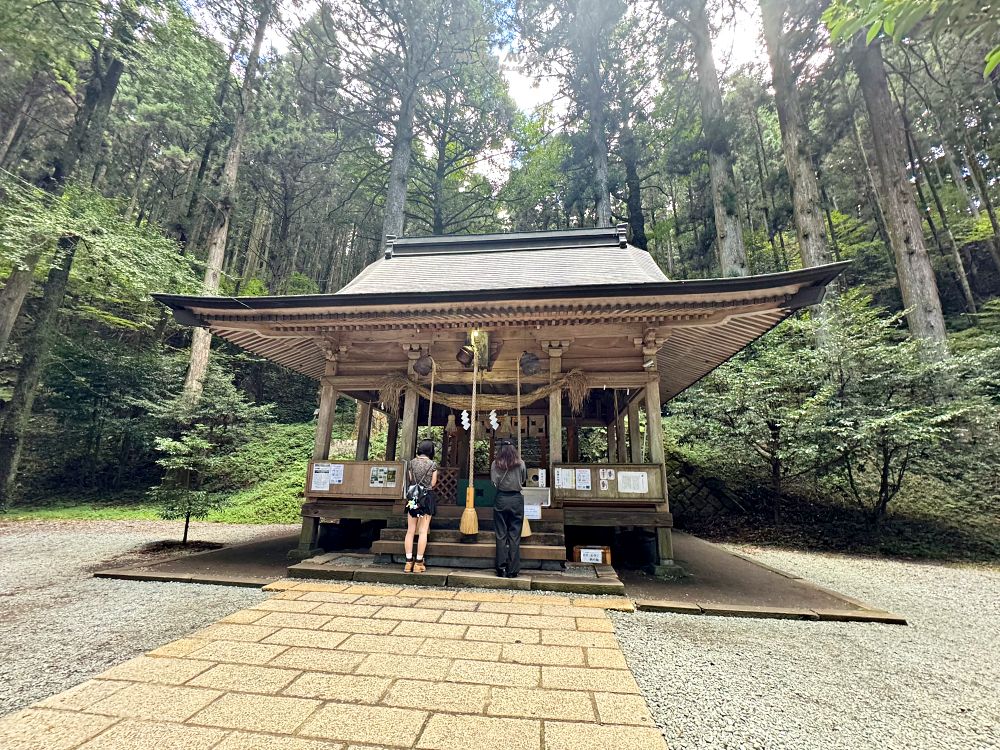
(331, 667)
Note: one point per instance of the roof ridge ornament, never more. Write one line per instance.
(622, 232)
(390, 241)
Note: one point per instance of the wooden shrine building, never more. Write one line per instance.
(585, 326)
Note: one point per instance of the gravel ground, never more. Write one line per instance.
(717, 682)
(59, 626)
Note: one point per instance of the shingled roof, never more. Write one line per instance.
(581, 257)
(569, 277)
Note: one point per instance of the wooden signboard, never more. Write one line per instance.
(608, 484)
(355, 480)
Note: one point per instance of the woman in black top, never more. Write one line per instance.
(422, 471)
(508, 474)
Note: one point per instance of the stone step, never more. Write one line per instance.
(552, 539)
(478, 550)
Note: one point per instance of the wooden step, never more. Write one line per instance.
(485, 513)
(551, 539)
(481, 550)
(485, 524)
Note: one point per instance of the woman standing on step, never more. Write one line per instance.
(421, 479)
(508, 474)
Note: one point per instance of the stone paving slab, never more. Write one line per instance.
(506, 671)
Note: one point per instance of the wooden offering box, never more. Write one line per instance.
(355, 480)
(608, 484)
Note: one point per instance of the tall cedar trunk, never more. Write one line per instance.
(732, 253)
(913, 265)
(87, 131)
(441, 169)
(976, 170)
(201, 338)
(37, 344)
(953, 243)
(600, 145)
(763, 178)
(13, 294)
(959, 179)
(920, 177)
(592, 17)
(14, 127)
(630, 158)
(399, 169)
(798, 161)
(212, 138)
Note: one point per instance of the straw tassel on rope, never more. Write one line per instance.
(469, 525)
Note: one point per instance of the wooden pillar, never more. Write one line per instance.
(654, 428)
(327, 410)
(612, 431)
(409, 442)
(572, 444)
(555, 351)
(634, 438)
(308, 537)
(364, 430)
(411, 400)
(620, 434)
(391, 437)
(309, 534)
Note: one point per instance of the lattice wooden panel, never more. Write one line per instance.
(447, 485)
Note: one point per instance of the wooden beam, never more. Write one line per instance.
(364, 430)
(599, 379)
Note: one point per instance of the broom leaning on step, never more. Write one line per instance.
(469, 525)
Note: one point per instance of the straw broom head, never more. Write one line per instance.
(525, 529)
(469, 525)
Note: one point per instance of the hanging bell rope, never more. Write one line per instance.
(525, 526)
(430, 404)
(469, 524)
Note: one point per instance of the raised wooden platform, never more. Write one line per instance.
(448, 547)
(576, 578)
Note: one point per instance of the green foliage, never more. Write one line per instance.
(265, 476)
(201, 435)
(119, 262)
(844, 405)
(898, 18)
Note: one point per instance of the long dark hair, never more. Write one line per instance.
(507, 457)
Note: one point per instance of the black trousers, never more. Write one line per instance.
(508, 517)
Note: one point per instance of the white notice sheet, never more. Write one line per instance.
(635, 482)
(564, 479)
(583, 479)
(336, 473)
(320, 478)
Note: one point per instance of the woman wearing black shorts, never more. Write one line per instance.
(422, 471)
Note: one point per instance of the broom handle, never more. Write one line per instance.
(469, 495)
(518, 371)
(430, 405)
